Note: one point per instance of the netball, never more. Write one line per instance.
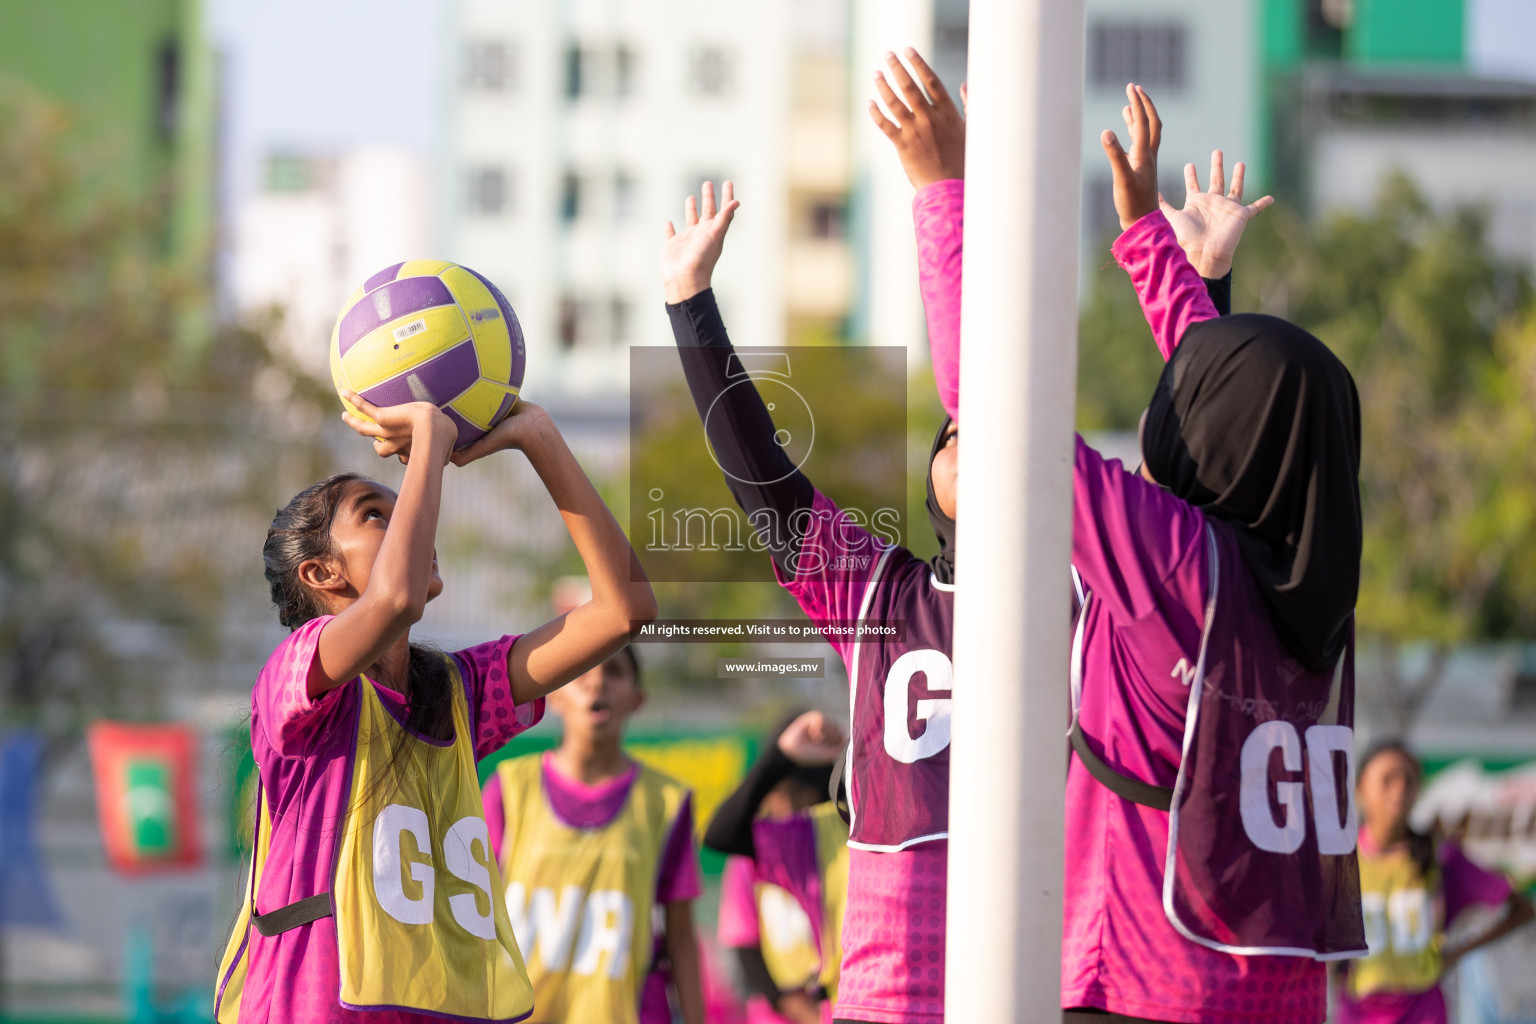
(431, 331)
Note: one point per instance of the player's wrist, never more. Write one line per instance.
(685, 286)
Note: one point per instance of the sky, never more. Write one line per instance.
(324, 75)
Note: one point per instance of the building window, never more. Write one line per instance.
(578, 72)
(487, 192)
(289, 174)
(575, 321)
(488, 66)
(828, 219)
(626, 68)
(168, 88)
(625, 196)
(710, 71)
(1145, 52)
(572, 200)
(620, 319)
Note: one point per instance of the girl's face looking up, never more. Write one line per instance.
(357, 532)
(1388, 786)
(596, 705)
(944, 464)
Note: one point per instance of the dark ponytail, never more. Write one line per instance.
(301, 531)
(1421, 845)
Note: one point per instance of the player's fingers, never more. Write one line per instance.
(1125, 115)
(367, 428)
(728, 196)
(1259, 205)
(1191, 179)
(360, 403)
(1238, 170)
(1154, 122)
(931, 81)
(668, 231)
(1218, 173)
(708, 213)
(1164, 205)
(1112, 148)
(965, 97)
(882, 122)
(691, 212)
(910, 90)
(898, 110)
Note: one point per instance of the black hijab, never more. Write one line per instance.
(943, 563)
(1256, 422)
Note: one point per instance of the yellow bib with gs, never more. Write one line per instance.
(1403, 926)
(581, 899)
(416, 892)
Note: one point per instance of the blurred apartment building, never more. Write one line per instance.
(577, 128)
(1357, 89)
(318, 226)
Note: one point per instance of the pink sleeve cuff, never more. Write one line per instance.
(1172, 294)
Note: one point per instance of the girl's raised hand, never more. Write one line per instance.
(520, 429)
(812, 739)
(1211, 223)
(924, 126)
(1135, 172)
(398, 429)
(688, 257)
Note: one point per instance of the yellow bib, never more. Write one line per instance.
(832, 857)
(581, 899)
(419, 925)
(1403, 928)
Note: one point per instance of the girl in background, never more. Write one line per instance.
(595, 848)
(785, 884)
(373, 893)
(1412, 889)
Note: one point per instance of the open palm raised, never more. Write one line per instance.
(688, 257)
(1211, 223)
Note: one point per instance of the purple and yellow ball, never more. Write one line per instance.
(431, 331)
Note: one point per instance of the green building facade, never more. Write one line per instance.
(136, 78)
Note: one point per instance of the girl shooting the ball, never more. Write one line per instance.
(373, 893)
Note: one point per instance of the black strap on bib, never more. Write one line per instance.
(837, 785)
(293, 915)
(1137, 792)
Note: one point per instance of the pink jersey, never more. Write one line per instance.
(303, 752)
(1142, 553)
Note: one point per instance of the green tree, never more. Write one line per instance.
(128, 460)
(1439, 333)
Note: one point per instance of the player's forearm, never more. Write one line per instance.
(683, 954)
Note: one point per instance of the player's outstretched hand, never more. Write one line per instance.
(688, 257)
(401, 429)
(924, 125)
(1211, 223)
(812, 739)
(1135, 173)
(524, 428)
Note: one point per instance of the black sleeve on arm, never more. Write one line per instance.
(1220, 291)
(740, 430)
(730, 830)
(754, 972)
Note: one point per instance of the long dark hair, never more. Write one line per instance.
(1421, 845)
(300, 531)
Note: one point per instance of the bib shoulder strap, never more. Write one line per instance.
(293, 915)
(1137, 792)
